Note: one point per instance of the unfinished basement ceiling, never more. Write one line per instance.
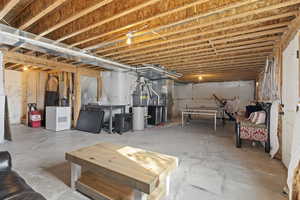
(218, 39)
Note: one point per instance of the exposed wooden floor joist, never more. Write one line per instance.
(190, 36)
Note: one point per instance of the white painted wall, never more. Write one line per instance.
(289, 97)
(196, 95)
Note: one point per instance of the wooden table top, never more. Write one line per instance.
(136, 168)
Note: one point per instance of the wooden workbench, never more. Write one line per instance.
(120, 172)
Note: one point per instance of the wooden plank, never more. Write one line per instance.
(8, 7)
(75, 17)
(126, 12)
(99, 87)
(192, 49)
(35, 61)
(291, 33)
(164, 44)
(202, 25)
(88, 72)
(36, 11)
(217, 40)
(218, 58)
(99, 187)
(215, 68)
(209, 55)
(267, 49)
(195, 17)
(77, 101)
(230, 62)
(225, 69)
(63, 22)
(136, 168)
(183, 7)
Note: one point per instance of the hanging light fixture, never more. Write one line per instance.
(200, 78)
(129, 38)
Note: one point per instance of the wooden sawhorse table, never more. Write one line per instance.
(116, 172)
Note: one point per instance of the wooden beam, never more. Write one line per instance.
(221, 77)
(218, 58)
(171, 57)
(36, 11)
(19, 58)
(232, 68)
(215, 62)
(197, 55)
(195, 17)
(253, 12)
(202, 25)
(263, 50)
(222, 58)
(77, 101)
(249, 68)
(276, 29)
(122, 14)
(64, 21)
(174, 65)
(222, 74)
(8, 7)
(214, 68)
(290, 33)
(88, 72)
(75, 17)
(194, 48)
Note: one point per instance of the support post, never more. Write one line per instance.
(215, 121)
(2, 99)
(182, 119)
(110, 119)
(99, 87)
(138, 195)
(168, 180)
(77, 102)
(75, 174)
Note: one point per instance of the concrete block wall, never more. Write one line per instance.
(88, 90)
(201, 94)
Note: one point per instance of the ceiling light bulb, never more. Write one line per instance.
(129, 38)
(200, 78)
(129, 41)
(25, 68)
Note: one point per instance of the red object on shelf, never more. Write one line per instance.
(35, 118)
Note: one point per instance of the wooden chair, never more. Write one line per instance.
(246, 130)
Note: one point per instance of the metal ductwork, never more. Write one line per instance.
(18, 38)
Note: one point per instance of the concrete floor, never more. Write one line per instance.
(211, 168)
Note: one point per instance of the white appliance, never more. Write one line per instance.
(58, 118)
(138, 118)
